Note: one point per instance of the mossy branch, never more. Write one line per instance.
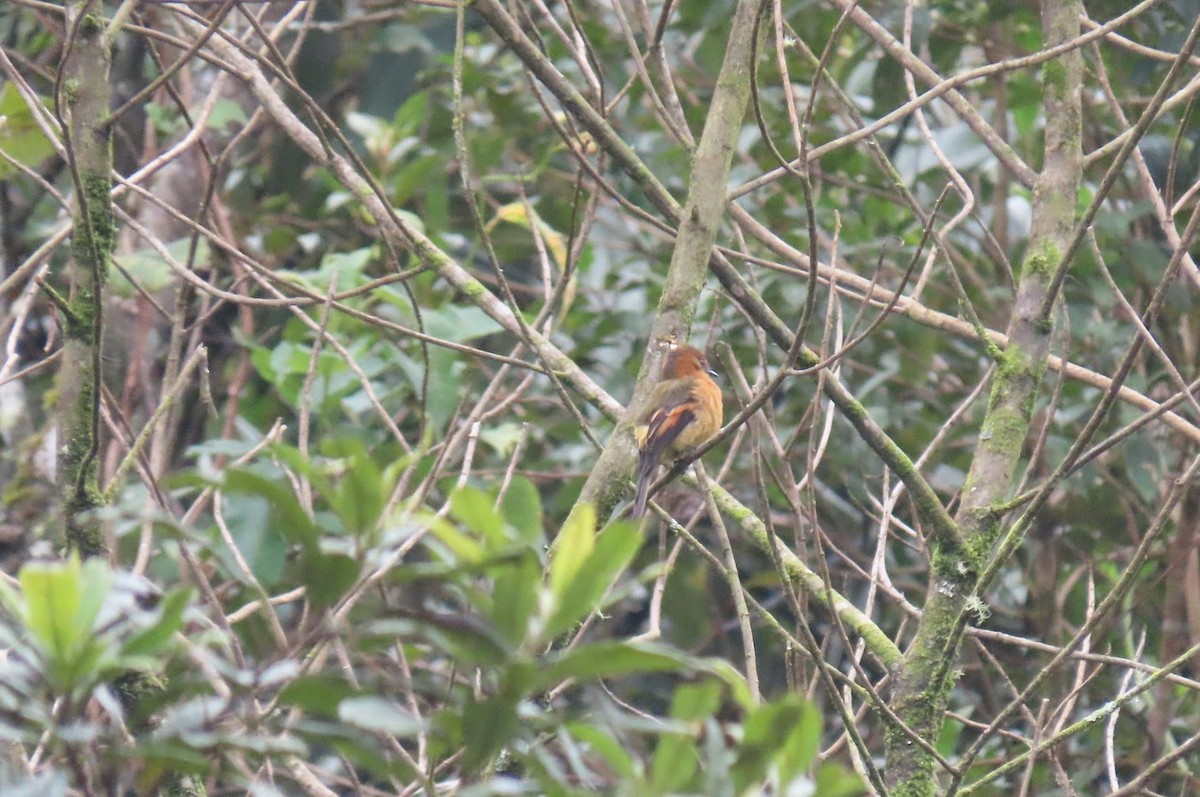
(927, 673)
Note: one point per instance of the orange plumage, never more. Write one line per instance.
(684, 410)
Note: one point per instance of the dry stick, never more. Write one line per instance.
(586, 59)
(296, 311)
(45, 362)
(1136, 786)
(310, 378)
(941, 321)
(1177, 141)
(873, 699)
(18, 312)
(956, 178)
(1066, 706)
(676, 126)
(469, 190)
(947, 86)
(241, 613)
(1115, 594)
(662, 70)
(1157, 200)
(166, 74)
(474, 418)
(654, 615)
(425, 249)
(941, 87)
(1089, 721)
(735, 586)
(801, 134)
(346, 165)
(1182, 97)
(1099, 658)
(919, 313)
(1142, 330)
(514, 458)
(1110, 726)
(808, 645)
(1027, 777)
(306, 297)
(1130, 142)
(924, 680)
(249, 73)
(264, 600)
(961, 105)
(122, 434)
(842, 701)
(1016, 532)
(926, 498)
(786, 370)
(200, 355)
(1133, 426)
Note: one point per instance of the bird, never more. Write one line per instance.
(684, 410)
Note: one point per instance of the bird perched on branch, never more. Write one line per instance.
(684, 410)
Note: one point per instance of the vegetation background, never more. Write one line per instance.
(320, 320)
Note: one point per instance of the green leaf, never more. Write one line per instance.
(487, 726)
(948, 737)
(696, 701)
(602, 742)
(250, 519)
(786, 733)
(62, 600)
(224, 112)
(614, 549)
(349, 268)
(150, 270)
(474, 508)
(675, 762)
(460, 323)
(463, 637)
(834, 781)
(502, 438)
(572, 548)
(359, 495)
(53, 593)
(465, 548)
(170, 620)
(327, 576)
(321, 695)
(290, 518)
(50, 605)
(522, 506)
(803, 739)
(169, 756)
(514, 595)
(612, 659)
(366, 756)
(96, 580)
(21, 137)
(411, 114)
(377, 714)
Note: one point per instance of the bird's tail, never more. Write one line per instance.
(645, 476)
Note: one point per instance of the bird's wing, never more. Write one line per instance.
(673, 411)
